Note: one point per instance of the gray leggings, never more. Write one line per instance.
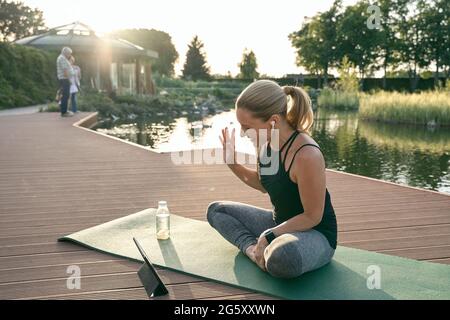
(288, 256)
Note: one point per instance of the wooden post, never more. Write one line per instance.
(138, 76)
(149, 85)
(119, 76)
(107, 74)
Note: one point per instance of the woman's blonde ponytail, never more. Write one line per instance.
(300, 114)
(264, 98)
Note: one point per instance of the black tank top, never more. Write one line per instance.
(284, 193)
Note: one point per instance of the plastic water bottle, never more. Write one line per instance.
(162, 221)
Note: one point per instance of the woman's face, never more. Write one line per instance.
(253, 128)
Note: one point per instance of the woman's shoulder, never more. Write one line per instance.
(306, 153)
(303, 140)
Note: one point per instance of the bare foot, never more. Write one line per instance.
(250, 252)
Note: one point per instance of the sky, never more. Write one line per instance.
(226, 27)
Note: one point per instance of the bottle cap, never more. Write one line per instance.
(162, 203)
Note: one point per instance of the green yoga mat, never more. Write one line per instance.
(197, 249)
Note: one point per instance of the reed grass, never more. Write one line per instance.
(425, 108)
(339, 100)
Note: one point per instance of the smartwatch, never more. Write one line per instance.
(269, 235)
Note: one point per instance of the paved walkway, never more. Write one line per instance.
(24, 110)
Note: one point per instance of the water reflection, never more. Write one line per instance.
(409, 155)
(163, 134)
(414, 156)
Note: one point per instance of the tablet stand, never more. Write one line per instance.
(153, 286)
(149, 277)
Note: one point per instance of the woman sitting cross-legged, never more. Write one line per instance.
(300, 233)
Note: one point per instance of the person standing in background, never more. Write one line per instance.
(74, 84)
(64, 73)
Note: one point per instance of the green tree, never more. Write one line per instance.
(18, 20)
(391, 13)
(435, 17)
(158, 41)
(307, 54)
(195, 67)
(356, 40)
(411, 45)
(248, 66)
(316, 41)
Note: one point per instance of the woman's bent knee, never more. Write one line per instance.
(290, 255)
(212, 211)
(282, 261)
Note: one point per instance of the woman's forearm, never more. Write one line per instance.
(248, 176)
(301, 222)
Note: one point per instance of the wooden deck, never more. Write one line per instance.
(56, 179)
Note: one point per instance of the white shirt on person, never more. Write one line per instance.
(75, 79)
(62, 66)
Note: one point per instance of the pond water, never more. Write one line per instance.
(408, 155)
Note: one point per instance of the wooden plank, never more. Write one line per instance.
(394, 223)
(33, 274)
(38, 248)
(369, 244)
(66, 191)
(28, 239)
(399, 243)
(375, 220)
(198, 290)
(380, 234)
(56, 287)
(421, 253)
(19, 219)
(49, 259)
(35, 214)
(249, 296)
(440, 260)
(146, 202)
(343, 227)
(63, 204)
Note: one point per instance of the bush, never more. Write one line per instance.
(348, 80)
(132, 106)
(27, 76)
(340, 100)
(163, 81)
(179, 97)
(346, 96)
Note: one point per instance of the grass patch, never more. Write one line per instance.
(425, 108)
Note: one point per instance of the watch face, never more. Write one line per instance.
(269, 236)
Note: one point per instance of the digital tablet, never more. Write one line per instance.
(148, 275)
